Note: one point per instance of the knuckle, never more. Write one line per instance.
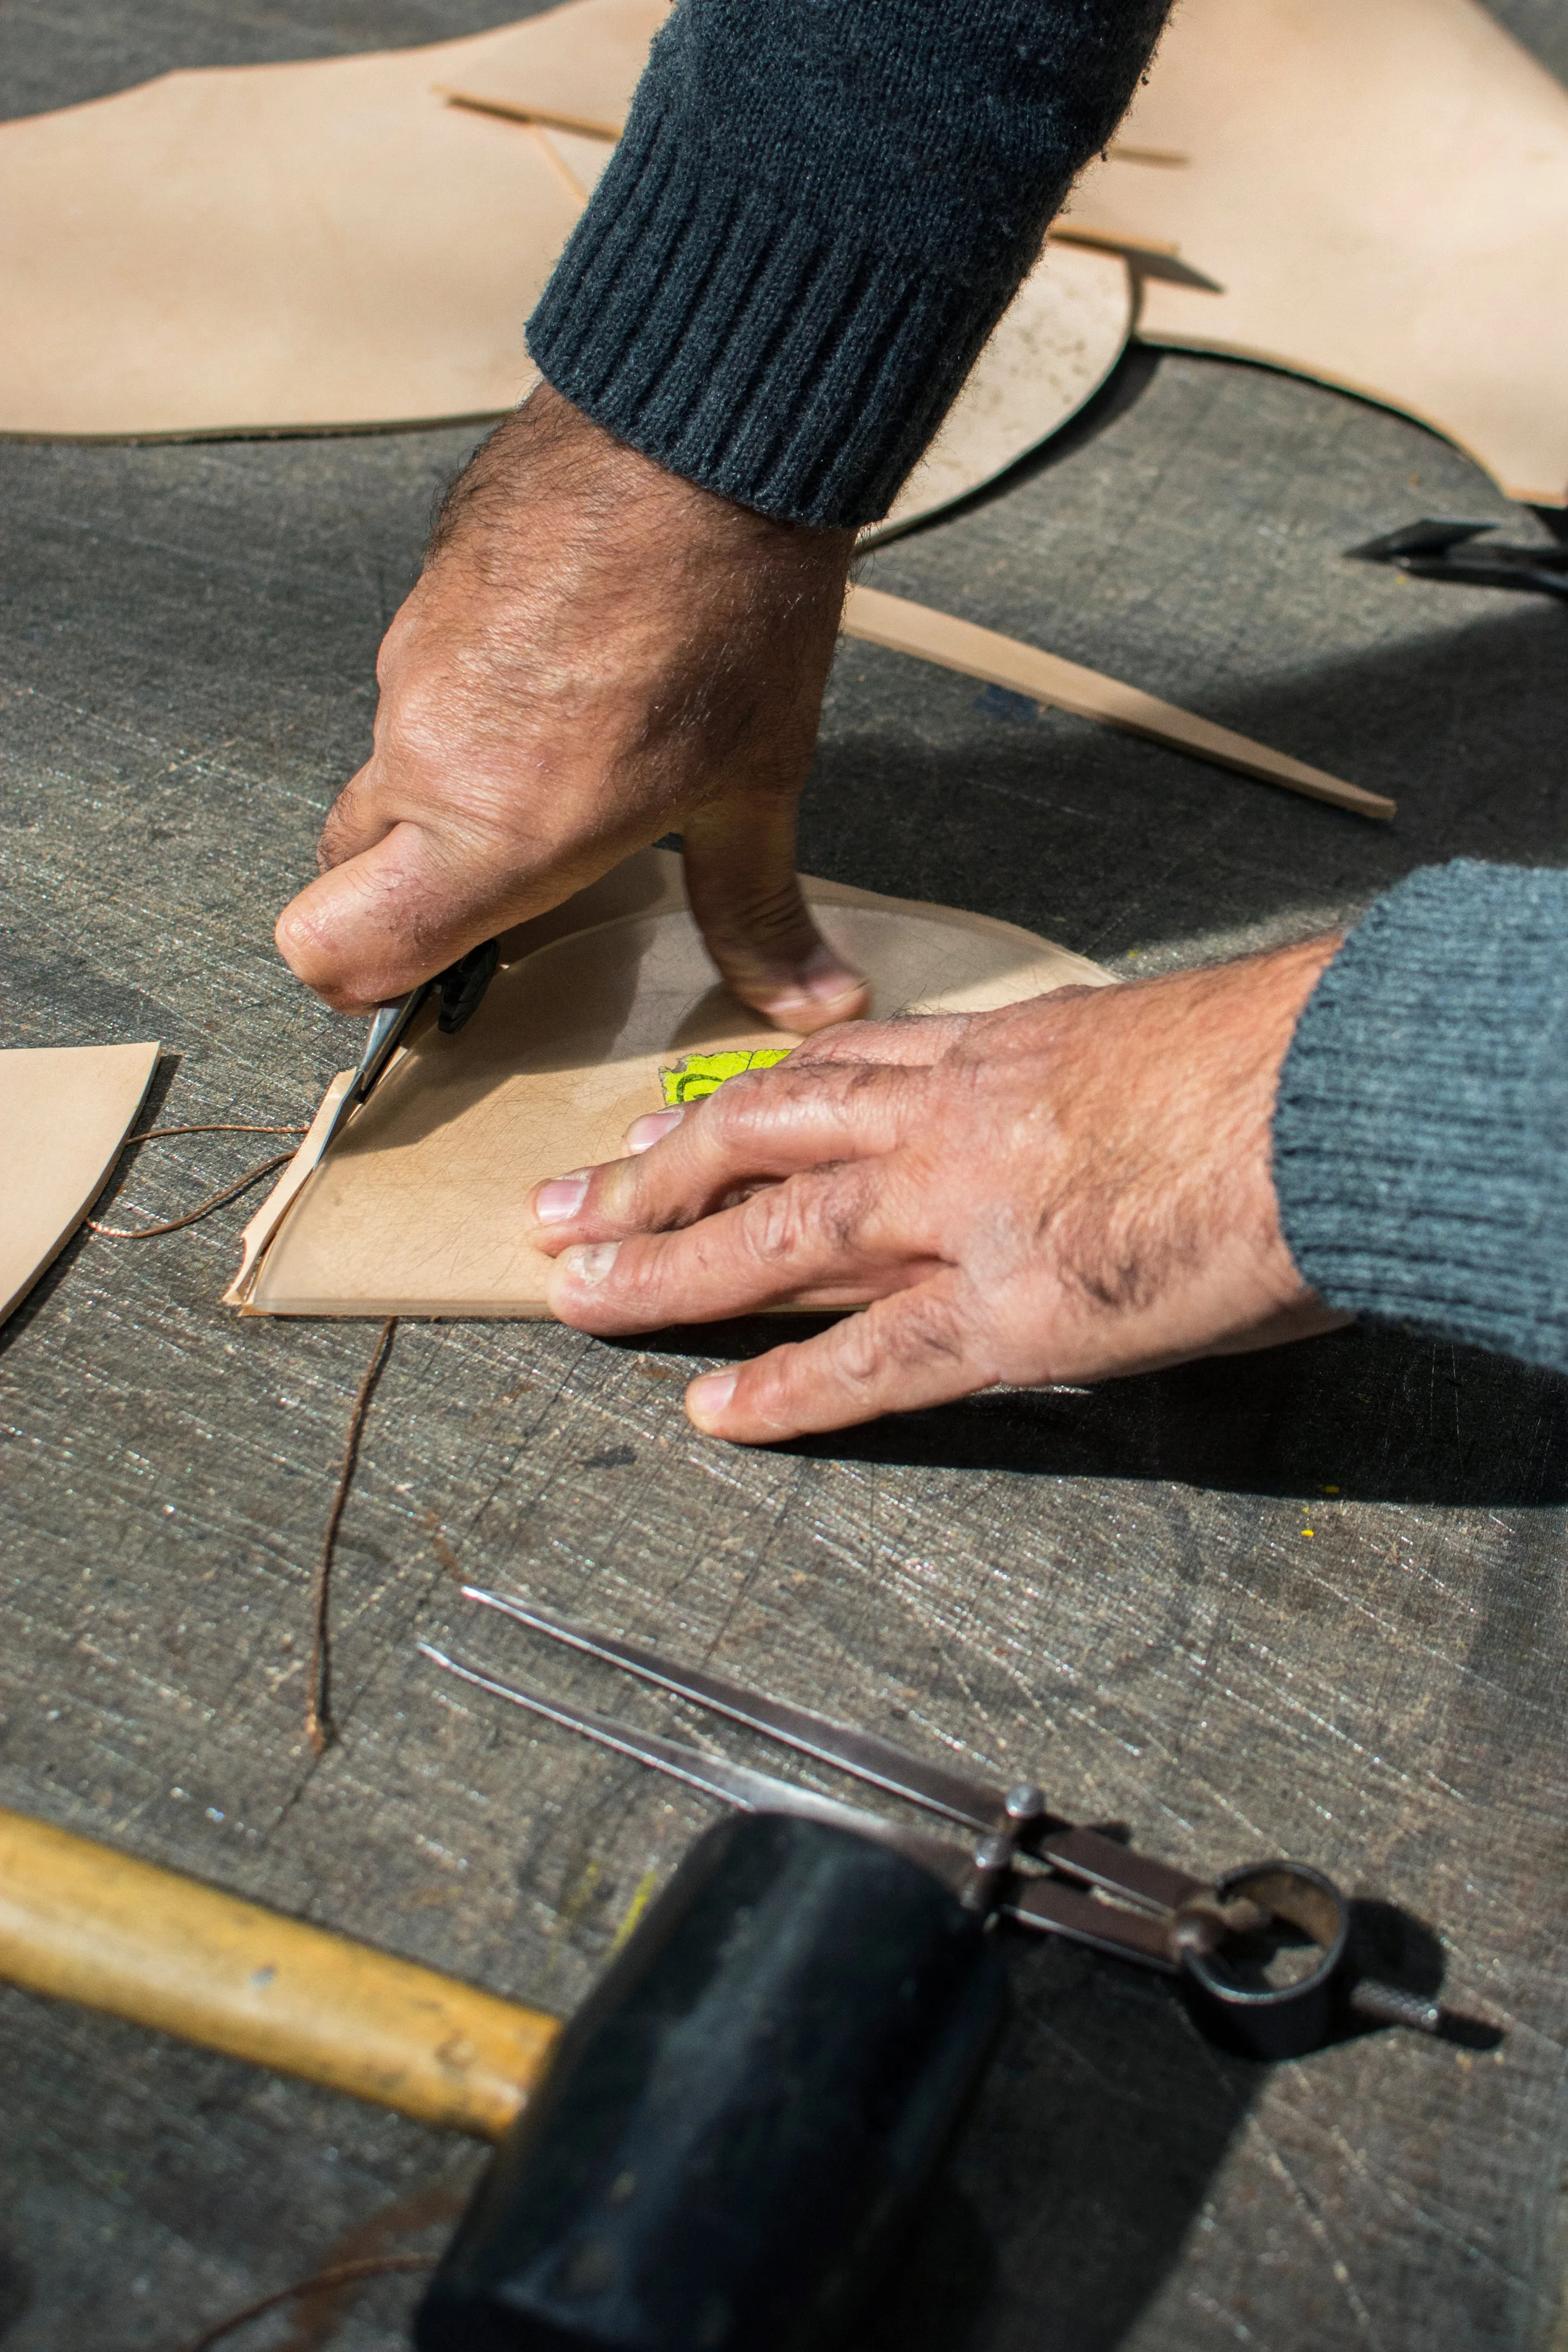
(769, 920)
(929, 1330)
(808, 1218)
(749, 1111)
(634, 1275)
(401, 634)
(915, 1334)
(776, 1224)
(736, 1109)
(843, 1207)
(414, 717)
(620, 1198)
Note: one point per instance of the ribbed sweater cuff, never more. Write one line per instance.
(1421, 1132)
(784, 360)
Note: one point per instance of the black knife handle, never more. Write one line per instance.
(463, 985)
(740, 2118)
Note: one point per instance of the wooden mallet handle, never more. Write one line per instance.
(83, 1922)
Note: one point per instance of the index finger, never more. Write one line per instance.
(907, 1040)
(757, 1127)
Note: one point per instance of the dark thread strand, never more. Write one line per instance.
(346, 2274)
(192, 1216)
(318, 1700)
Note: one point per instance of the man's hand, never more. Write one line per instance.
(597, 653)
(1064, 1191)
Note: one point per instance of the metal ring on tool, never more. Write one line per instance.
(1279, 2020)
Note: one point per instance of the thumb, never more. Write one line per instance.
(746, 897)
(375, 926)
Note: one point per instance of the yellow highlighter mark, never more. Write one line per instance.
(696, 1074)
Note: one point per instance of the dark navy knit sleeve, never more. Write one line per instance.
(1421, 1131)
(817, 212)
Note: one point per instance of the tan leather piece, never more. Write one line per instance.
(575, 66)
(272, 248)
(649, 883)
(908, 628)
(417, 1208)
(1374, 192)
(64, 1113)
(1380, 189)
(263, 1224)
(580, 156)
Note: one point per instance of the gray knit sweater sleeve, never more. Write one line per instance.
(1421, 1133)
(818, 212)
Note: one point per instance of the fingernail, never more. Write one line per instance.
(561, 1198)
(706, 1398)
(825, 989)
(645, 1132)
(828, 986)
(591, 1263)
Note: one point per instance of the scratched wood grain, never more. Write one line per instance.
(1311, 1602)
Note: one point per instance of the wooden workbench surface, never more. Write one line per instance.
(1310, 1602)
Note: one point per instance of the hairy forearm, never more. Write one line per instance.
(635, 527)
